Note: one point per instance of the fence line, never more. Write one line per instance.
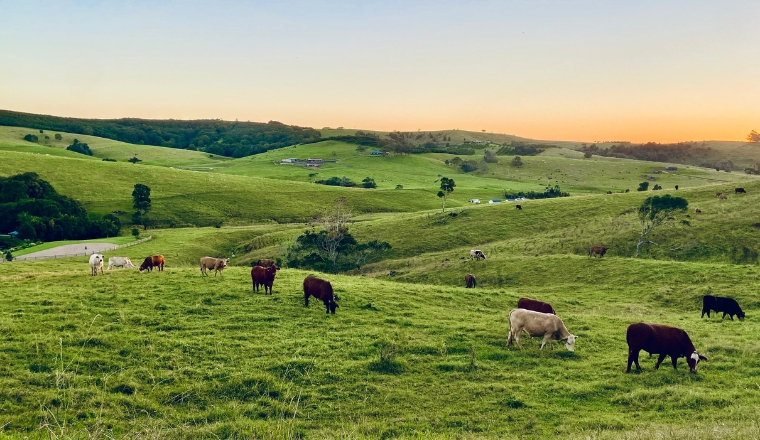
(81, 254)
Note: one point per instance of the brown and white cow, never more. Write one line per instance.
(263, 276)
(151, 262)
(470, 281)
(697, 211)
(536, 324)
(477, 254)
(535, 305)
(662, 340)
(320, 289)
(215, 264)
(597, 250)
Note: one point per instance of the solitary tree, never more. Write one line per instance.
(447, 187)
(58, 136)
(753, 136)
(656, 211)
(141, 203)
(335, 224)
(643, 186)
(369, 182)
(517, 162)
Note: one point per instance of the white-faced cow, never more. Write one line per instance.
(549, 327)
(96, 262)
(215, 264)
(123, 262)
(662, 340)
(477, 254)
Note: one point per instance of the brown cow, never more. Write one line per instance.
(469, 281)
(265, 262)
(319, 289)
(609, 192)
(151, 262)
(215, 264)
(697, 211)
(263, 276)
(597, 250)
(628, 190)
(662, 340)
(720, 196)
(535, 305)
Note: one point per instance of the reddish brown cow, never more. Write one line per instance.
(264, 262)
(697, 211)
(319, 289)
(535, 305)
(263, 276)
(470, 281)
(597, 250)
(156, 261)
(662, 340)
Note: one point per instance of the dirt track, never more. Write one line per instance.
(69, 249)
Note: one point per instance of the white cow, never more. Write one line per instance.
(477, 254)
(546, 325)
(215, 264)
(96, 262)
(124, 262)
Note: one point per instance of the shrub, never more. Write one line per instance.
(549, 193)
(133, 159)
(135, 232)
(109, 160)
(369, 182)
(517, 162)
(469, 165)
(8, 256)
(587, 155)
(31, 138)
(337, 181)
(490, 157)
(399, 186)
(58, 136)
(643, 186)
(656, 187)
(80, 148)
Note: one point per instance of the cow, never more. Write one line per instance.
(676, 187)
(628, 190)
(697, 211)
(264, 262)
(609, 192)
(597, 250)
(124, 262)
(470, 281)
(96, 262)
(550, 327)
(215, 264)
(518, 207)
(477, 254)
(263, 276)
(740, 191)
(319, 289)
(662, 340)
(535, 305)
(728, 306)
(720, 196)
(156, 261)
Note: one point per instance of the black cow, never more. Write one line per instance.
(740, 191)
(518, 207)
(728, 306)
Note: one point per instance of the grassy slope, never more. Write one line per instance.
(11, 139)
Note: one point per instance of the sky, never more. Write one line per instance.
(585, 70)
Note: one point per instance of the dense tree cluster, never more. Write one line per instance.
(80, 148)
(523, 149)
(32, 207)
(337, 181)
(654, 152)
(225, 138)
(548, 193)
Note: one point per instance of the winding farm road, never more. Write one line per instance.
(68, 249)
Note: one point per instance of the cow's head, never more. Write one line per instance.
(570, 342)
(740, 315)
(693, 360)
(332, 305)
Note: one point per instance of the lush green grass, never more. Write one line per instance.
(11, 139)
(52, 244)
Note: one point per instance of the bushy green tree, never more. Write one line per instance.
(369, 182)
(80, 148)
(655, 212)
(643, 186)
(447, 187)
(517, 162)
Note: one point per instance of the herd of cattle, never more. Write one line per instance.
(535, 318)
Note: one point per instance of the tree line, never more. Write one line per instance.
(224, 138)
(651, 151)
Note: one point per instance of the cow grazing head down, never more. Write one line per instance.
(693, 360)
(570, 342)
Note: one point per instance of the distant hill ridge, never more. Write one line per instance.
(225, 138)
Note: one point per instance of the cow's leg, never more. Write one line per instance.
(516, 335)
(633, 357)
(674, 360)
(306, 300)
(509, 338)
(660, 358)
(724, 315)
(703, 313)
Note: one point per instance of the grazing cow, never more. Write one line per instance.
(740, 191)
(550, 327)
(124, 262)
(319, 289)
(662, 340)
(676, 187)
(470, 281)
(518, 207)
(697, 211)
(265, 262)
(156, 261)
(96, 262)
(215, 264)
(597, 250)
(720, 196)
(719, 304)
(477, 254)
(535, 305)
(609, 192)
(263, 276)
(627, 190)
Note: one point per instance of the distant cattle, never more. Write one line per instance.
(263, 276)
(215, 264)
(156, 261)
(662, 340)
(597, 250)
(124, 262)
(609, 192)
(697, 211)
(740, 191)
(627, 190)
(720, 196)
(676, 187)
(518, 207)
(96, 262)
(549, 327)
(264, 262)
(535, 305)
(727, 306)
(477, 254)
(470, 281)
(319, 289)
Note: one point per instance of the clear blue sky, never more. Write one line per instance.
(549, 69)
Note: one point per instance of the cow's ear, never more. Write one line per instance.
(702, 358)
